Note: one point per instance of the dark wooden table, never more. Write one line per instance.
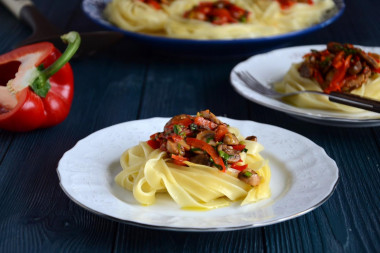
(130, 81)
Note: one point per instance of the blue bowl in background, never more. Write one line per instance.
(219, 48)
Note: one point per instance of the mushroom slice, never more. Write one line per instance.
(201, 159)
(233, 159)
(207, 136)
(210, 116)
(233, 155)
(175, 148)
(369, 59)
(250, 177)
(230, 139)
(251, 138)
(228, 149)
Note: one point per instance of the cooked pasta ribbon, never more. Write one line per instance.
(136, 16)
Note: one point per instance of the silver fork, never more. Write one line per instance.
(342, 98)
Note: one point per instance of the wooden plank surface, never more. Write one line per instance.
(130, 81)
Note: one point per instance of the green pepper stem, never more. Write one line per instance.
(41, 85)
(73, 40)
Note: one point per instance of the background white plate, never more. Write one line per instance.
(303, 177)
(271, 67)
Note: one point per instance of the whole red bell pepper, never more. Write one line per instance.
(36, 85)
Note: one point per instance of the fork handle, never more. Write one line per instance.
(355, 101)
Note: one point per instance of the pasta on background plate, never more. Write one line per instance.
(338, 68)
(201, 162)
(216, 19)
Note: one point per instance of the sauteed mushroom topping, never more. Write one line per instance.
(218, 13)
(340, 67)
(203, 139)
(250, 177)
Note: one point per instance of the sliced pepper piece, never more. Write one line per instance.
(180, 120)
(338, 60)
(285, 4)
(220, 132)
(239, 167)
(218, 13)
(208, 149)
(338, 78)
(176, 138)
(37, 90)
(154, 4)
(154, 144)
(179, 160)
(204, 123)
(239, 147)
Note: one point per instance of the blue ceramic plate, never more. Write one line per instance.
(230, 47)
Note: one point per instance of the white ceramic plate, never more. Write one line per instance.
(303, 177)
(271, 67)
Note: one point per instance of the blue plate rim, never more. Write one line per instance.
(340, 6)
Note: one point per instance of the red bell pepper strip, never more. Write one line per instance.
(37, 89)
(204, 123)
(338, 60)
(285, 4)
(317, 76)
(176, 138)
(154, 136)
(221, 16)
(220, 132)
(154, 144)
(182, 120)
(237, 12)
(218, 12)
(238, 147)
(239, 167)
(179, 160)
(338, 78)
(209, 150)
(153, 3)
